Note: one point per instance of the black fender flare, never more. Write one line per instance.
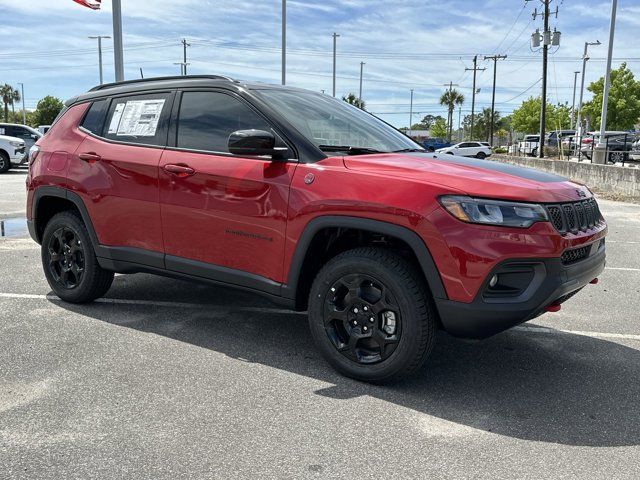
(44, 191)
(412, 239)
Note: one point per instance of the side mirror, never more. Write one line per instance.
(255, 142)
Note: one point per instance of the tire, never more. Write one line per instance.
(69, 260)
(616, 156)
(349, 289)
(534, 152)
(5, 162)
(481, 155)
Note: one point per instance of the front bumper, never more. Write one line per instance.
(552, 283)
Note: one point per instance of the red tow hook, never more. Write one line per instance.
(594, 281)
(555, 307)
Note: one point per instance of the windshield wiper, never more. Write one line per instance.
(406, 150)
(351, 150)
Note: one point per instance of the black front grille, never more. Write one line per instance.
(574, 216)
(575, 255)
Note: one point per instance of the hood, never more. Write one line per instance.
(478, 178)
(7, 138)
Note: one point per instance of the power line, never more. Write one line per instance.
(497, 49)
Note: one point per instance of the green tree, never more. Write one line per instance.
(426, 123)
(451, 99)
(482, 124)
(47, 110)
(623, 107)
(354, 100)
(526, 118)
(439, 128)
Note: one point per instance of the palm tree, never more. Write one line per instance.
(6, 94)
(450, 99)
(15, 97)
(353, 100)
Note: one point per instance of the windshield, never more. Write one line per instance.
(328, 123)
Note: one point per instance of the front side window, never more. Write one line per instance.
(328, 122)
(207, 119)
(139, 119)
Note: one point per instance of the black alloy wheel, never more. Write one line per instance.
(362, 319)
(371, 315)
(66, 258)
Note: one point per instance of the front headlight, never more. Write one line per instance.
(16, 144)
(493, 212)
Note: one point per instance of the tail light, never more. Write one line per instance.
(33, 153)
(587, 140)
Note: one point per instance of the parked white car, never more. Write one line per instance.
(11, 152)
(468, 149)
(529, 146)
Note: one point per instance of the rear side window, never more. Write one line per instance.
(207, 119)
(139, 119)
(94, 119)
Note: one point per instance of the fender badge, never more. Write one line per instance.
(309, 178)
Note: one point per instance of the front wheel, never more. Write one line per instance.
(5, 163)
(481, 155)
(371, 316)
(69, 260)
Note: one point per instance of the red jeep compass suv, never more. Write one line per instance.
(312, 202)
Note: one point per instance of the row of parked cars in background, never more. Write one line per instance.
(15, 142)
(621, 146)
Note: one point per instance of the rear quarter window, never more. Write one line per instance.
(94, 119)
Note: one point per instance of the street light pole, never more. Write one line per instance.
(585, 57)
(100, 37)
(573, 103)
(360, 92)
(600, 153)
(411, 112)
(335, 37)
(117, 40)
(24, 110)
(284, 42)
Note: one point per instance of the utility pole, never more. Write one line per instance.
(184, 56)
(473, 95)
(548, 38)
(573, 103)
(335, 38)
(362, 64)
(411, 112)
(459, 117)
(284, 42)
(117, 40)
(601, 147)
(100, 37)
(24, 110)
(495, 59)
(585, 58)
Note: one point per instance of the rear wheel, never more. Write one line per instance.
(371, 315)
(69, 260)
(5, 163)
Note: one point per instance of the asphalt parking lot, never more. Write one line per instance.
(167, 379)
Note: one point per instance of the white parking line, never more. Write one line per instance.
(623, 269)
(200, 306)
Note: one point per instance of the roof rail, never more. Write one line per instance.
(160, 79)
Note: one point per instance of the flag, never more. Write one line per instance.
(92, 4)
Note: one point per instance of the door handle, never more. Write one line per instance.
(179, 170)
(90, 157)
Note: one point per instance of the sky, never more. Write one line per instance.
(405, 44)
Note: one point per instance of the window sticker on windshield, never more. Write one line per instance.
(139, 118)
(115, 120)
